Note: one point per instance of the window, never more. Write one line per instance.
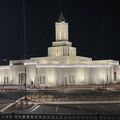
(21, 78)
(31, 82)
(71, 79)
(57, 53)
(5, 80)
(115, 76)
(42, 80)
(66, 79)
(65, 51)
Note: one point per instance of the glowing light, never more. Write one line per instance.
(67, 66)
(4, 67)
(30, 63)
(61, 31)
(114, 63)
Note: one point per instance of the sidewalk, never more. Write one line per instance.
(78, 102)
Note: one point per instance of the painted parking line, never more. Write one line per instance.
(56, 108)
(80, 108)
(103, 107)
(31, 108)
(8, 106)
(35, 108)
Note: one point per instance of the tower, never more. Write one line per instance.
(61, 29)
(61, 46)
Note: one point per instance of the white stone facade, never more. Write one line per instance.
(62, 66)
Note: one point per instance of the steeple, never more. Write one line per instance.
(61, 46)
(61, 28)
(61, 18)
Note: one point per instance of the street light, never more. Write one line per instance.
(25, 82)
(62, 79)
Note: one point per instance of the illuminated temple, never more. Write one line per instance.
(61, 66)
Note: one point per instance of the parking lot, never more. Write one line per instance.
(76, 109)
(98, 108)
(108, 109)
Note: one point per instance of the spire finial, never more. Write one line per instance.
(61, 18)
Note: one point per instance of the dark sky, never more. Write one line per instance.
(94, 27)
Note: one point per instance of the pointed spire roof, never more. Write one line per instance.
(61, 18)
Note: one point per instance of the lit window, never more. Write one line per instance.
(57, 53)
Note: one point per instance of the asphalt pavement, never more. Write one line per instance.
(111, 109)
(78, 109)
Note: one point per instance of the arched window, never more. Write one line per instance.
(44, 80)
(40, 80)
(115, 76)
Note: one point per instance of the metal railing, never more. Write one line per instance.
(58, 117)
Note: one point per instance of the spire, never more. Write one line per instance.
(61, 18)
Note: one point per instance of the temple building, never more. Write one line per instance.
(61, 66)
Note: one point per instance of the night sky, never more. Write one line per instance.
(94, 27)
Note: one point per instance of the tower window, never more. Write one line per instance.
(57, 53)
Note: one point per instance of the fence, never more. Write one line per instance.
(58, 117)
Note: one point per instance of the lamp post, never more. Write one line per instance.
(62, 79)
(25, 83)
